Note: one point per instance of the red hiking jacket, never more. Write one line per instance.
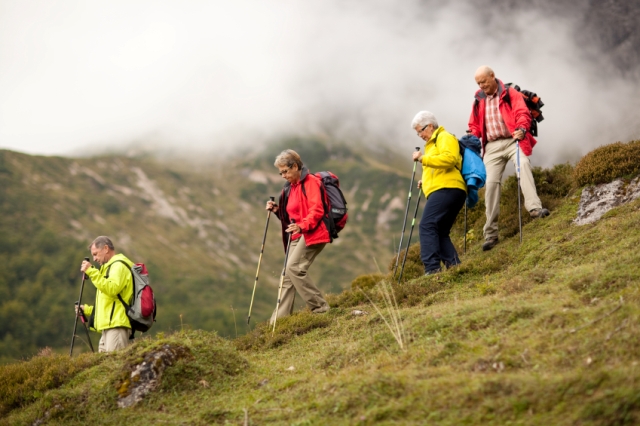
(514, 113)
(314, 226)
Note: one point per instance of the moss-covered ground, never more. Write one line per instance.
(546, 332)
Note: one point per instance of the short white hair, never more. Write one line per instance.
(423, 119)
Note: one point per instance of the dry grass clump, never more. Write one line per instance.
(24, 382)
(608, 162)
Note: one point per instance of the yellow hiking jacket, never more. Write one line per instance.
(441, 163)
(110, 312)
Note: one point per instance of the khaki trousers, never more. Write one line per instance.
(296, 278)
(496, 155)
(113, 339)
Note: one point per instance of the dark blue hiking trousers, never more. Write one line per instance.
(438, 217)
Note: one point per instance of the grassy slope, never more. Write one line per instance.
(540, 333)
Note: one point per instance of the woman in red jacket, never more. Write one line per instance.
(301, 201)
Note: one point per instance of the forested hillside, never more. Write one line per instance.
(198, 230)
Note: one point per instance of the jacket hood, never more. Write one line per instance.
(303, 175)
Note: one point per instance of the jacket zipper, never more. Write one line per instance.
(113, 306)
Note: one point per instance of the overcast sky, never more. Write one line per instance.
(82, 77)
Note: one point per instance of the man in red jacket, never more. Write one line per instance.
(499, 117)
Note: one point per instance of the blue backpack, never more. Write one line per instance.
(473, 170)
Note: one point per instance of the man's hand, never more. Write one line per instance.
(272, 206)
(417, 156)
(518, 134)
(85, 265)
(79, 309)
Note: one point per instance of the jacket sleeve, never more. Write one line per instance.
(87, 309)
(315, 208)
(119, 275)
(521, 114)
(474, 121)
(448, 153)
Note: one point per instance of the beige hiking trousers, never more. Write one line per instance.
(113, 339)
(496, 155)
(296, 278)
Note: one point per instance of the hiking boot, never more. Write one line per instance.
(320, 310)
(489, 244)
(433, 272)
(536, 213)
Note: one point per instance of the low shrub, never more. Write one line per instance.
(608, 162)
(366, 282)
(23, 382)
(295, 324)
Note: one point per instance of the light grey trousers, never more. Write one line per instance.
(297, 279)
(496, 155)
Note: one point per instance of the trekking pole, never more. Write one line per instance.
(406, 213)
(255, 284)
(465, 226)
(413, 222)
(518, 175)
(284, 268)
(79, 313)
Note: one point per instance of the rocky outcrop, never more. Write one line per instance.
(599, 199)
(145, 376)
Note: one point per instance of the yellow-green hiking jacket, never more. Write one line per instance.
(441, 163)
(109, 310)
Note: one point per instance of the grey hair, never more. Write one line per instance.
(423, 119)
(288, 158)
(101, 242)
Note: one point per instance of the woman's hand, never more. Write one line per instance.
(293, 228)
(272, 206)
(417, 156)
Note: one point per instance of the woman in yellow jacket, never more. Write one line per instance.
(444, 188)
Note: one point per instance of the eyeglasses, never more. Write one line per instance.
(284, 172)
(424, 128)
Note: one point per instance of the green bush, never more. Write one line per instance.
(366, 282)
(608, 162)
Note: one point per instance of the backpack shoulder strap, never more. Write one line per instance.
(133, 280)
(507, 95)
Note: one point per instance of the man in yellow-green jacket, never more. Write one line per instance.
(444, 187)
(112, 279)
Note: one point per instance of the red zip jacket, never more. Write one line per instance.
(515, 116)
(307, 209)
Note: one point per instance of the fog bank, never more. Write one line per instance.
(80, 78)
